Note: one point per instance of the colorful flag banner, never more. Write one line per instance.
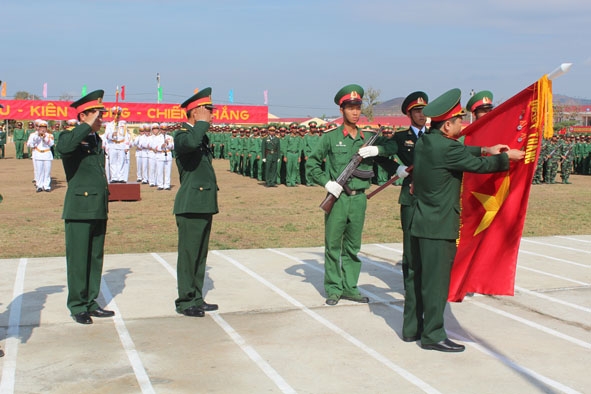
(493, 206)
(3, 93)
(123, 92)
(83, 91)
(117, 94)
(266, 94)
(159, 93)
(196, 90)
(231, 96)
(45, 90)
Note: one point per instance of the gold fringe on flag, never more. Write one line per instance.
(545, 108)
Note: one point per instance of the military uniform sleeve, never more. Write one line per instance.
(69, 140)
(461, 158)
(314, 163)
(190, 139)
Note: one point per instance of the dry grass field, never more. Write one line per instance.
(251, 216)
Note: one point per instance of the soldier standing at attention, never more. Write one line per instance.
(480, 104)
(30, 130)
(270, 148)
(2, 139)
(56, 136)
(343, 226)
(439, 161)
(412, 106)
(85, 208)
(19, 137)
(195, 204)
(41, 142)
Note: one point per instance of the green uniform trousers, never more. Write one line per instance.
(424, 307)
(85, 240)
(18, 146)
(343, 227)
(406, 212)
(193, 245)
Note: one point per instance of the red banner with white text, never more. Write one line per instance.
(132, 112)
(493, 206)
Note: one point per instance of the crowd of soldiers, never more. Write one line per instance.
(572, 154)
(274, 154)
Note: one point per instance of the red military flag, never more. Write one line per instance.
(123, 92)
(493, 206)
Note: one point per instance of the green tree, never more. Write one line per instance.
(22, 95)
(370, 100)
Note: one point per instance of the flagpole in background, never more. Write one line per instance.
(158, 91)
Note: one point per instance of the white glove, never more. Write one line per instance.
(368, 151)
(333, 188)
(264, 160)
(401, 171)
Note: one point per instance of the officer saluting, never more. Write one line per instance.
(195, 204)
(85, 208)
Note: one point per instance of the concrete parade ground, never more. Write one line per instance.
(274, 334)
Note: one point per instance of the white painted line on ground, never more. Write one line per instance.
(12, 334)
(470, 342)
(552, 299)
(553, 275)
(128, 345)
(573, 239)
(530, 323)
(523, 370)
(376, 355)
(249, 350)
(555, 246)
(554, 258)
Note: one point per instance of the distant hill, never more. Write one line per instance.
(392, 106)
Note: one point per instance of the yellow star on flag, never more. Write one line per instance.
(492, 204)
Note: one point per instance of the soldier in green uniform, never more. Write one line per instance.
(270, 148)
(439, 161)
(19, 137)
(56, 136)
(406, 139)
(552, 160)
(195, 204)
(480, 104)
(30, 130)
(310, 141)
(567, 159)
(343, 226)
(293, 148)
(85, 208)
(2, 140)
(539, 174)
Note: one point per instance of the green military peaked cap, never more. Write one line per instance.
(481, 99)
(349, 94)
(93, 100)
(445, 106)
(199, 99)
(414, 100)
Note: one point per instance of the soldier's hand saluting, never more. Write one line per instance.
(203, 113)
(92, 118)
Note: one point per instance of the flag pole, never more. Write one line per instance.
(158, 88)
(560, 70)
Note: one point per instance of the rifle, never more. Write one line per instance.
(388, 183)
(349, 172)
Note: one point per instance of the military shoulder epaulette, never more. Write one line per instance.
(183, 130)
(401, 131)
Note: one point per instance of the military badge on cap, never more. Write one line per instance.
(350, 94)
(414, 100)
(200, 99)
(93, 100)
(445, 106)
(482, 99)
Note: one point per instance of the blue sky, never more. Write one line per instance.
(302, 52)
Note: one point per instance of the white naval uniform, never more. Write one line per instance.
(151, 161)
(42, 159)
(163, 144)
(118, 140)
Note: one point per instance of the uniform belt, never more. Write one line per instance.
(269, 151)
(356, 192)
(118, 142)
(42, 150)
